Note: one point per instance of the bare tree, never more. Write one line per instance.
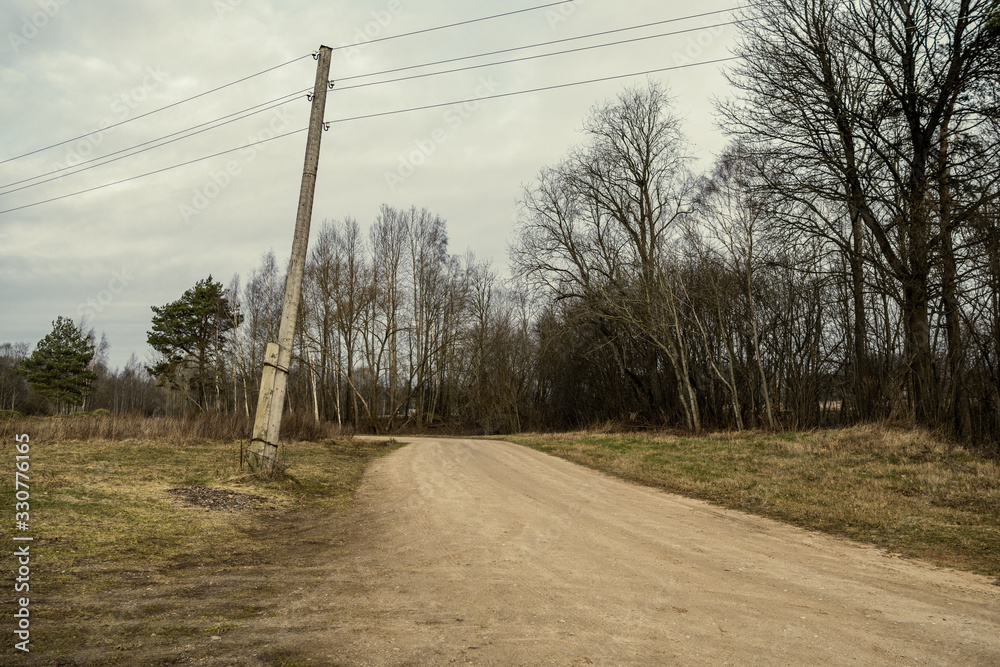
(594, 229)
(855, 97)
(735, 217)
(429, 275)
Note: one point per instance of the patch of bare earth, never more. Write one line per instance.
(206, 497)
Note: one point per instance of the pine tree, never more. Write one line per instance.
(57, 369)
(191, 335)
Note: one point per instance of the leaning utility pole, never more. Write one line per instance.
(278, 357)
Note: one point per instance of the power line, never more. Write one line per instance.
(145, 143)
(94, 166)
(549, 43)
(376, 115)
(533, 90)
(534, 57)
(426, 30)
(150, 113)
(150, 173)
(451, 25)
(104, 161)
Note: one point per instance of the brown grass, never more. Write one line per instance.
(189, 429)
(124, 572)
(901, 489)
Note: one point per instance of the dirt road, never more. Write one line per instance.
(494, 554)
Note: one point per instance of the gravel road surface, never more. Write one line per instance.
(489, 553)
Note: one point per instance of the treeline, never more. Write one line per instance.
(119, 390)
(394, 330)
(839, 263)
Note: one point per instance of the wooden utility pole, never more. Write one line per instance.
(278, 357)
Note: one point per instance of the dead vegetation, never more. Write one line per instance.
(901, 489)
(155, 552)
(195, 428)
(208, 498)
(127, 573)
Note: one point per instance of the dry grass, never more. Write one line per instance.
(904, 490)
(191, 429)
(124, 572)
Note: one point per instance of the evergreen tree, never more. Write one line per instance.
(191, 334)
(57, 369)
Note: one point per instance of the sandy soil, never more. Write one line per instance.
(489, 553)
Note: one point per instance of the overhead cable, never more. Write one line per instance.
(550, 43)
(158, 171)
(452, 25)
(273, 104)
(376, 115)
(533, 90)
(150, 113)
(527, 58)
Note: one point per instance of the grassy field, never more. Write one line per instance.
(902, 490)
(151, 549)
(146, 551)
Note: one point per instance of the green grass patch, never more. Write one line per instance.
(903, 490)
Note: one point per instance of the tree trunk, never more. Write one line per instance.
(756, 350)
(866, 383)
(917, 323)
(960, 409)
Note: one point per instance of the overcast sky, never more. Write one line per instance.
(69, 67)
